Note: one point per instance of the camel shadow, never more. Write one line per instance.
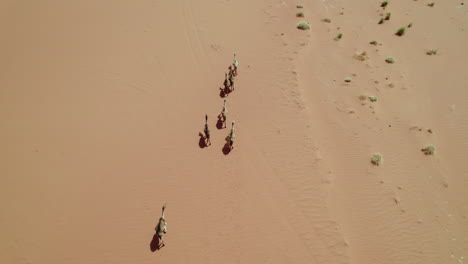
(224, 92)
(154, 244)
(202, 141)
(220, 123)
(226, 148)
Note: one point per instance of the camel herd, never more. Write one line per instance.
(229, 81)
(161, 227)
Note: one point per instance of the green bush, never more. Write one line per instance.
(303, 25)
(400, 32)
(387, 16)
(299, 14)
(384, 4)
(390, 60)
(376, 159)
(428, 150)
(431, 52)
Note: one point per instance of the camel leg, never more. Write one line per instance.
(161, 243)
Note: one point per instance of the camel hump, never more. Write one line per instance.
(161, 225)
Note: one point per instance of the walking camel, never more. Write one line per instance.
(226, 83)
(224, 113)
(231, 80)
(161, 228)
(232, 136)
(235, 63)
(207, 131)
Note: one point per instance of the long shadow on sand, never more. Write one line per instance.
(202, 141)
(154, 244)
(226, 149)
(223, 92)
(220, 124)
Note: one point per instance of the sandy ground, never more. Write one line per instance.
(102, 103)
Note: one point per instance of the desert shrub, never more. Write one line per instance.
(339, 36)
(376, 159)
(400, 32)
(300, 14)
(431, 4)
(299, 6)
(373, 98)
(303, 25)
(384, 4)
(428, 150)
(387, 16)
(431, 52)
(390, 60)
(326, 20)
(381, 21)
(361, 56)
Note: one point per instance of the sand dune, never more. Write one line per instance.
(102, 104)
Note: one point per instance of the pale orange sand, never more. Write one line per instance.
(101, 104)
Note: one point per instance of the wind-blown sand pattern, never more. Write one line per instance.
(102, 103)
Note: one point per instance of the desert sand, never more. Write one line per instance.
(102, 103)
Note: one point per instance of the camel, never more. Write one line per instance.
(207, 131)
(232, 136)
(226, 83)
(161, 228)
(235, 63)
(224, 113)
(231, 80)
